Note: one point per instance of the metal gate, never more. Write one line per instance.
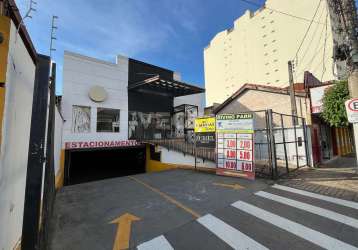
(281, 143)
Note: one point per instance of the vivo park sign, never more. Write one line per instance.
(352, 110)
(235, 145)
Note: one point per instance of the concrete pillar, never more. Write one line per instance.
(353, 90)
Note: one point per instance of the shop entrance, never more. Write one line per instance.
(98, 164)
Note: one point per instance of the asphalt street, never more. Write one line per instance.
(183, 209)
(277, 218)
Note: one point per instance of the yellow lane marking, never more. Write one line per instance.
(167, 197)
(123, 230)
(233, 186)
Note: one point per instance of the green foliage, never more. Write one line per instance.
(334, 112)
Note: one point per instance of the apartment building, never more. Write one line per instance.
(260, 44)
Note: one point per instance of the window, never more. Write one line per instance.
(81, 119)
(108, 120)
(299, 141)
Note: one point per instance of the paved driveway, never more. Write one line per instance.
(127, 211)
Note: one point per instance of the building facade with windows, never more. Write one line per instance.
(129, 99)
(260, 44)
(111, 110)
(95, 99)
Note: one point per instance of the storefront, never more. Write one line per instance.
(327, 141)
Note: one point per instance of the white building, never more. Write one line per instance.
(260, 44)
(115, 106)
(80, 74)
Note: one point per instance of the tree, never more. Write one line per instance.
(334, 112)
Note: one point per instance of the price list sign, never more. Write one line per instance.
(235, 147)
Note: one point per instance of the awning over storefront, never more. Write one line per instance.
(157, 85)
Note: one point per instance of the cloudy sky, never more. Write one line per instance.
(167, 33)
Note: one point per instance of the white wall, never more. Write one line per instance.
(58, 139)
(262, 153)
(80, 73)
(196, 99)
(15, 140)
(178, 158)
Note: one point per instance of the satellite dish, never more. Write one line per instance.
(97, 94)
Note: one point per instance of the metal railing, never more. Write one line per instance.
(281, 144)
(181, 145)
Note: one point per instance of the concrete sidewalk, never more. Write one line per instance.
(336, 178)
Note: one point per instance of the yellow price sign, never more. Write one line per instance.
(205, 125)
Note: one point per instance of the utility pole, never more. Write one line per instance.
(348, 15)
(292, 94)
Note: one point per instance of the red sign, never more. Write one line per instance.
(235, 155)
(353, 105)
(352, 110)
(244, 144)
(245, 166)
(231, 144)
(101, 144)
(230, 153)
(244, 155)
(230, 165)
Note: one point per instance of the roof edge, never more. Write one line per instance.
(257, 87)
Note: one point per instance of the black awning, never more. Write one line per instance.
(165, 87)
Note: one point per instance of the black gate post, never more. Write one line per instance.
(308, 159)
(31, 219)
(272, 144)
(284, 143)
(296, 146)
(49, 182)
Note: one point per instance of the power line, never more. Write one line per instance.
(308, 29)
(315, 52)
(310, 63)
(278, 11)
(313, 37)
(324, 51)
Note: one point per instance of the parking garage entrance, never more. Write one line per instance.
(86, 165)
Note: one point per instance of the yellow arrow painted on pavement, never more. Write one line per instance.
(123, 230)
(233, 186)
